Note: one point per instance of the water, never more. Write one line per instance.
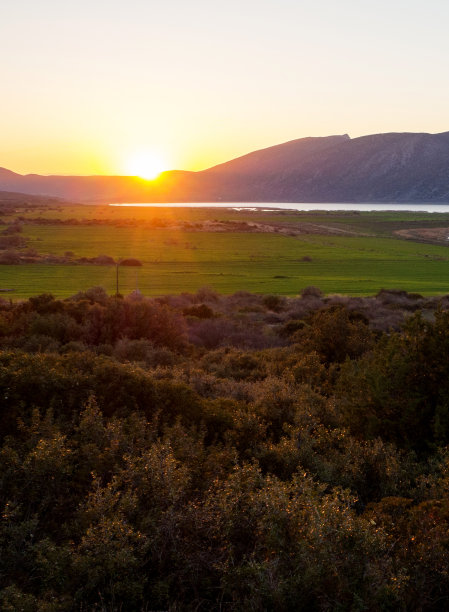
(330, 206)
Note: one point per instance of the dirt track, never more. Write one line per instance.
(439, 235)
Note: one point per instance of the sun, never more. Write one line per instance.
(145, 164)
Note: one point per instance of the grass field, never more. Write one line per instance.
(175, 261)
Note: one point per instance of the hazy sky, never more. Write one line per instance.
(87, 84)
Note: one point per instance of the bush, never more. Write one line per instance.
(274, 302)
(335, 334)
(95, 295)
(311, 291)
(201, 312)
(12, 242)
(10, 258)
(400, 390)
(130, 261)
(106, 260)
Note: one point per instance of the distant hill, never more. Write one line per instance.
(15, 198)
(394, 167)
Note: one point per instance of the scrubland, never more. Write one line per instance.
(208, 452)
(180, 448)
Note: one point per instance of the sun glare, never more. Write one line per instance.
(146, 165)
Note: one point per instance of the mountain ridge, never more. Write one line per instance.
(389, 167)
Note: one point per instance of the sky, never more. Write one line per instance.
(88, 86)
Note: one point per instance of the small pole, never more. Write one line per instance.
(116, 278)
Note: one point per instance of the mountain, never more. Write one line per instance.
(394, 167)
(377, 168)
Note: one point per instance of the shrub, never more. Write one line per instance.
(93, 295)
(130, 261)
(10, 258)
(202, 311)
(274, 302)
(105, 260)
(311, 291)
(11, 242)
(13, 228)
(335, 334)
(206, 294)
(400, 390)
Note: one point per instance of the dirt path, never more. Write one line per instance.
(437, 235)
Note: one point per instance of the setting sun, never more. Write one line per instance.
(145, 164)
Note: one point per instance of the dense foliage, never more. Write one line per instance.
(201, 452)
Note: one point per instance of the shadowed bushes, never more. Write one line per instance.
(140, 470)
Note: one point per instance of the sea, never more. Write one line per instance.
(323, 207)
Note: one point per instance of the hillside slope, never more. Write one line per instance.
(394, 167)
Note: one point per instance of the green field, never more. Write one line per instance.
(175, 261)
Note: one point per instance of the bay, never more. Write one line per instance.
(306, 207)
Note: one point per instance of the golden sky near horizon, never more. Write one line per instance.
(88, 87)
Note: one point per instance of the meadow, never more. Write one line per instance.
(362, 258)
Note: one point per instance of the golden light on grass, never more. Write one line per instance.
(146, 164)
